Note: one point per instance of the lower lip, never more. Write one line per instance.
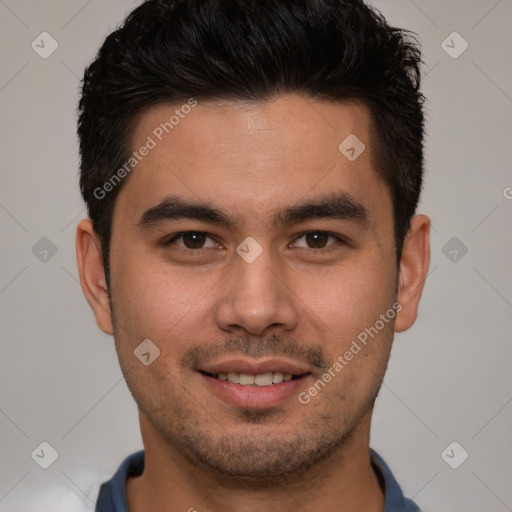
(254, 396)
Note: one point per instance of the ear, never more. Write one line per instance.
(92, 274)
(413, 271)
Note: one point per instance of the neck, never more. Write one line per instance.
(344, 481)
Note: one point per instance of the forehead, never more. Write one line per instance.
(251, 158)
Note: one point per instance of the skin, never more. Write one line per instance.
(249, 160)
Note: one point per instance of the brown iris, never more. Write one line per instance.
(316, 239)
(193, 239)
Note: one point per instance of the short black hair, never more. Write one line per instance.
(253, 50)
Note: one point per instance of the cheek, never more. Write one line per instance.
(156, 301)
(348, 299)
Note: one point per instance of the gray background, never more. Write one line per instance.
(449, 377)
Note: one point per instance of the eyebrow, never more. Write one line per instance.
(339, 206)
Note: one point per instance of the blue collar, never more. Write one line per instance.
(112, 494)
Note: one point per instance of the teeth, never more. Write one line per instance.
(246, 379)
(277, 378)
(262, 379)
(234, 377)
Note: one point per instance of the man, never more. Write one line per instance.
(251, 171)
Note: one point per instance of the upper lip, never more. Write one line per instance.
(255, 367)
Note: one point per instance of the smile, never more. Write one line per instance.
(261, 379)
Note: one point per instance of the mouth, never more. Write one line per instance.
(256, 384)
(257, 380)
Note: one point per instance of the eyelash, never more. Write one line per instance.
(340, 241)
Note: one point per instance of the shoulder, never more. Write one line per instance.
(112, 493)
(395, 501)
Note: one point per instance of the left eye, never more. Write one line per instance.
(317, 239)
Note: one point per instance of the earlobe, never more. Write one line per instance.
(414, 266)
(92, 274)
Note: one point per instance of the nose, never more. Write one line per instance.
(256, 298)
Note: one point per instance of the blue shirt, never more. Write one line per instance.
(112, 495)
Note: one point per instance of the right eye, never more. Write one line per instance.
(192, 241)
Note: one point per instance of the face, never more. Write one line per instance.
(245, 243)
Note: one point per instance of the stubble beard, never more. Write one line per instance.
(255, 460)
